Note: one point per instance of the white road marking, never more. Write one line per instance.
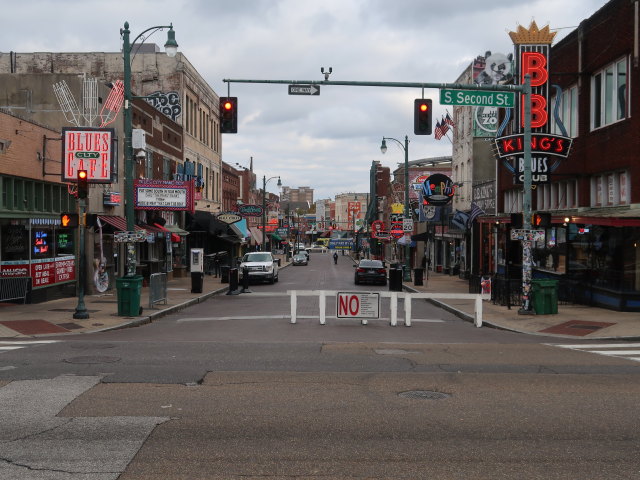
(620, 350)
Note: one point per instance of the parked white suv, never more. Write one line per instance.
(260, 266)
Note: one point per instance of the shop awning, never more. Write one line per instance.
(155, 228)
(421, 237)
(119, 223)
(277, 237)
(177, 230)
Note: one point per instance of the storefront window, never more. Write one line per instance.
(15, 243)
(602, 256)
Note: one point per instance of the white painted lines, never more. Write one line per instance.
(628, 351)
(11, 345)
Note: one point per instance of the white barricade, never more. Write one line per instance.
(393, 302)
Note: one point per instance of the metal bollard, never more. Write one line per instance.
(245, 281)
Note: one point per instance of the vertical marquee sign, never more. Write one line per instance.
(532, 49)
(90, 149)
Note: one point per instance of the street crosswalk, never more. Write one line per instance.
(629, 351)
(8, 346)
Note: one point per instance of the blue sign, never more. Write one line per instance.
(340, 244)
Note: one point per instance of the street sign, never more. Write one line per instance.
(407, 225)
(477, 98)
(358, 305)
(304, 90)
(532, 235)
(130, 237)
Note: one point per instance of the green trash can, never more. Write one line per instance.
(545, 296)
(129, 292)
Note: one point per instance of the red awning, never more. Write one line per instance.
(156, 227)
(119, 223)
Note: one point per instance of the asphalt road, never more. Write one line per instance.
(231, 389)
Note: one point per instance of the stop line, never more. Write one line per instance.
(628, 351)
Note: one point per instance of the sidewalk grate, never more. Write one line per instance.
(424, 395)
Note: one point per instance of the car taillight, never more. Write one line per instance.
(382, 270)
(361, 270)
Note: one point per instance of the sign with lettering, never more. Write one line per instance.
(358, 305)
(247, 210)
(130, 237)
(229, 217)
(163, 195)
(90, 149)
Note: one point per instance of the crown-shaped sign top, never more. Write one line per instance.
(533, 35)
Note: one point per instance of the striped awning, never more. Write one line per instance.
(119, 223)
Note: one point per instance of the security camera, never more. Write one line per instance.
(141, 155)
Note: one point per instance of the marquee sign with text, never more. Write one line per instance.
(163, 195)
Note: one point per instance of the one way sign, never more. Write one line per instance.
(304, 90)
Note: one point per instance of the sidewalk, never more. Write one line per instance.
(56, 316)
(571, 321)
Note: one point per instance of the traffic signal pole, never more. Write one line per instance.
(524, 89)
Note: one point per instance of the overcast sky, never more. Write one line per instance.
(326, 142)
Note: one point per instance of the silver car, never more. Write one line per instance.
(260, 266)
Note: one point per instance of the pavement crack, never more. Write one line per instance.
(42, 432)
(69, 472)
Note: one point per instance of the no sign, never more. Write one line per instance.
(358, 305)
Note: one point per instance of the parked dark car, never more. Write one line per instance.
(300, 259)
(370, 271)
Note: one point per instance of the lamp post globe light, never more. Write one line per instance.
(407, 212)
(265, 180)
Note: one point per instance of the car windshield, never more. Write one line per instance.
(257, 257)
(371, 263)
(300, 256)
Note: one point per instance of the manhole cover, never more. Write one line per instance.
(92, 359)
(424, 395)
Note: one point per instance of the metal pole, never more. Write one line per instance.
(264, 206)
(128, 154)
(526, 202)
(81, 310)
(407, 213)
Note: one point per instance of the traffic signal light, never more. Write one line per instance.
(422, 116)
(541, 220)
(69, 220)
(228, 114)
(83, 184)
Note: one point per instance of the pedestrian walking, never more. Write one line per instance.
(335, 258)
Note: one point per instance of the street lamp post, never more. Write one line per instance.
(407, 212)
(264, 208)
(171, 47)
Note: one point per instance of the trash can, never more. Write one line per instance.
(545, 296)
(224, 273)
(196, 282)
(129, 290)
(395, 279)
(417, 276)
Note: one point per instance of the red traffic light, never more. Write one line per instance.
(228, 114)
(422, 116)
(83, 184)
(424, 107)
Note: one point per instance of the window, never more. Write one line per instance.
(166, 168)
(609, 189)
(148, 165)
(609, 98)
(567, 111)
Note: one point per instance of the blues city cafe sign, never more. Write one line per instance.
(532, 47)
(438, 190)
